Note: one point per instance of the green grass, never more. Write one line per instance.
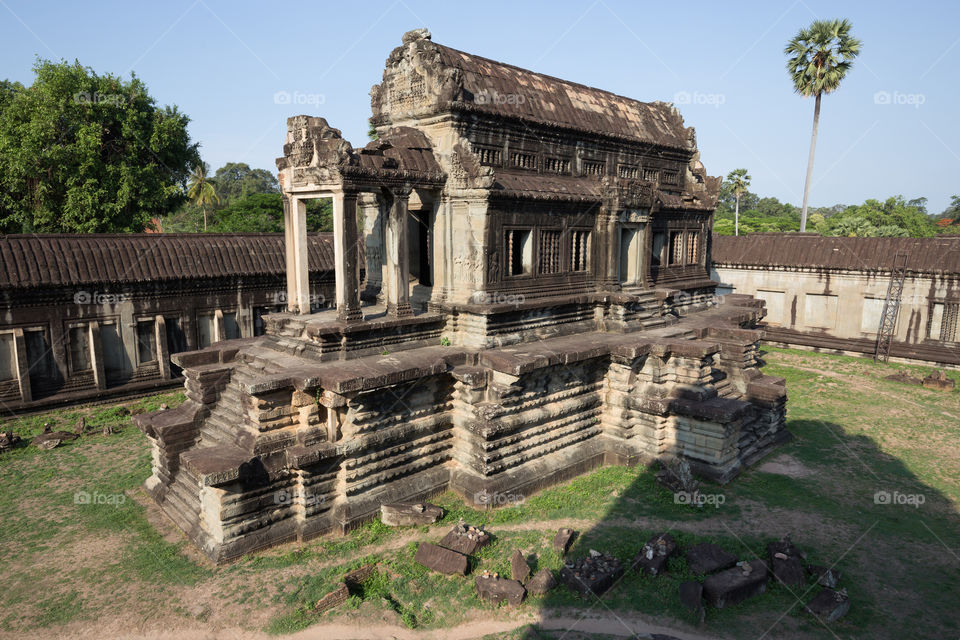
(854, 432)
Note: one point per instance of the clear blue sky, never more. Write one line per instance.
(223, 62)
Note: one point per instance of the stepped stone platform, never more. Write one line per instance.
(274, 444)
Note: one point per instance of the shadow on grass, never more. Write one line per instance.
(849, 506)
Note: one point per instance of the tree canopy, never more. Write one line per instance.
(83, 152)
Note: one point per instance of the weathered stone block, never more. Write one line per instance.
(735, 585)
(519, 569)
(707, 558)
(829, 605)
(335, 598)
(401, 514)
(440, 559)
(465, 539)
(497, 590)
(653, 556)
(594, 574)
(542, 582)
(563, 540)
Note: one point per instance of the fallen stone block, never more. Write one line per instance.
(519, 569)
(652, 558)
(465, 539)
(829, 605)
(8, 440)
(357, 576)
(594, 574)
(824, 576)
(441, 560)
(336, 597)
(541, 583)
(707, 558)
(563, 540)
(904, 379)
(405, 514)
(786, 563)
(496, 590)
(51, 439)
(691, 596)
(938, 380)
(736, 584)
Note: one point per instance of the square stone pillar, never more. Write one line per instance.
(298, 269)
(23, 365)
(163, 352)
(346, 250)
(397, 247)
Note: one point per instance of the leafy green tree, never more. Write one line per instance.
(819, 58)
(201, 191)
(263, 213)
(236, 180)
(82, 152)
(739, 180)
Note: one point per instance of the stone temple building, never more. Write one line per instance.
(536, 302)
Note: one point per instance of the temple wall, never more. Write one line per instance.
(817, 307)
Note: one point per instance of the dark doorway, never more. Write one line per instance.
(176, 342)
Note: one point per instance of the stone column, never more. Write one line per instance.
(608, 258)
(95, 348)
(346, 251)
(398, 256)
(23, 365)
(163, 353)
(298, 269)
(288, 253)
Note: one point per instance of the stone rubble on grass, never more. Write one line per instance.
(594, 574)
(938, 380)
(8, 440)
(736, 584)
(652, 558)
(440, 559)
(563, 540)
(707, 557)
(691, 596)
(830, 605)
(786, 562)
(401, 514)
(825, 577)
(542, 582)
(336, 597)
(50, 439)
(519, 569)
(904, 378)
(494, 589)
(465, 539)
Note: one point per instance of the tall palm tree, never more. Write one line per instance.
(739, 179)
(201, 191)
(819, 58)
